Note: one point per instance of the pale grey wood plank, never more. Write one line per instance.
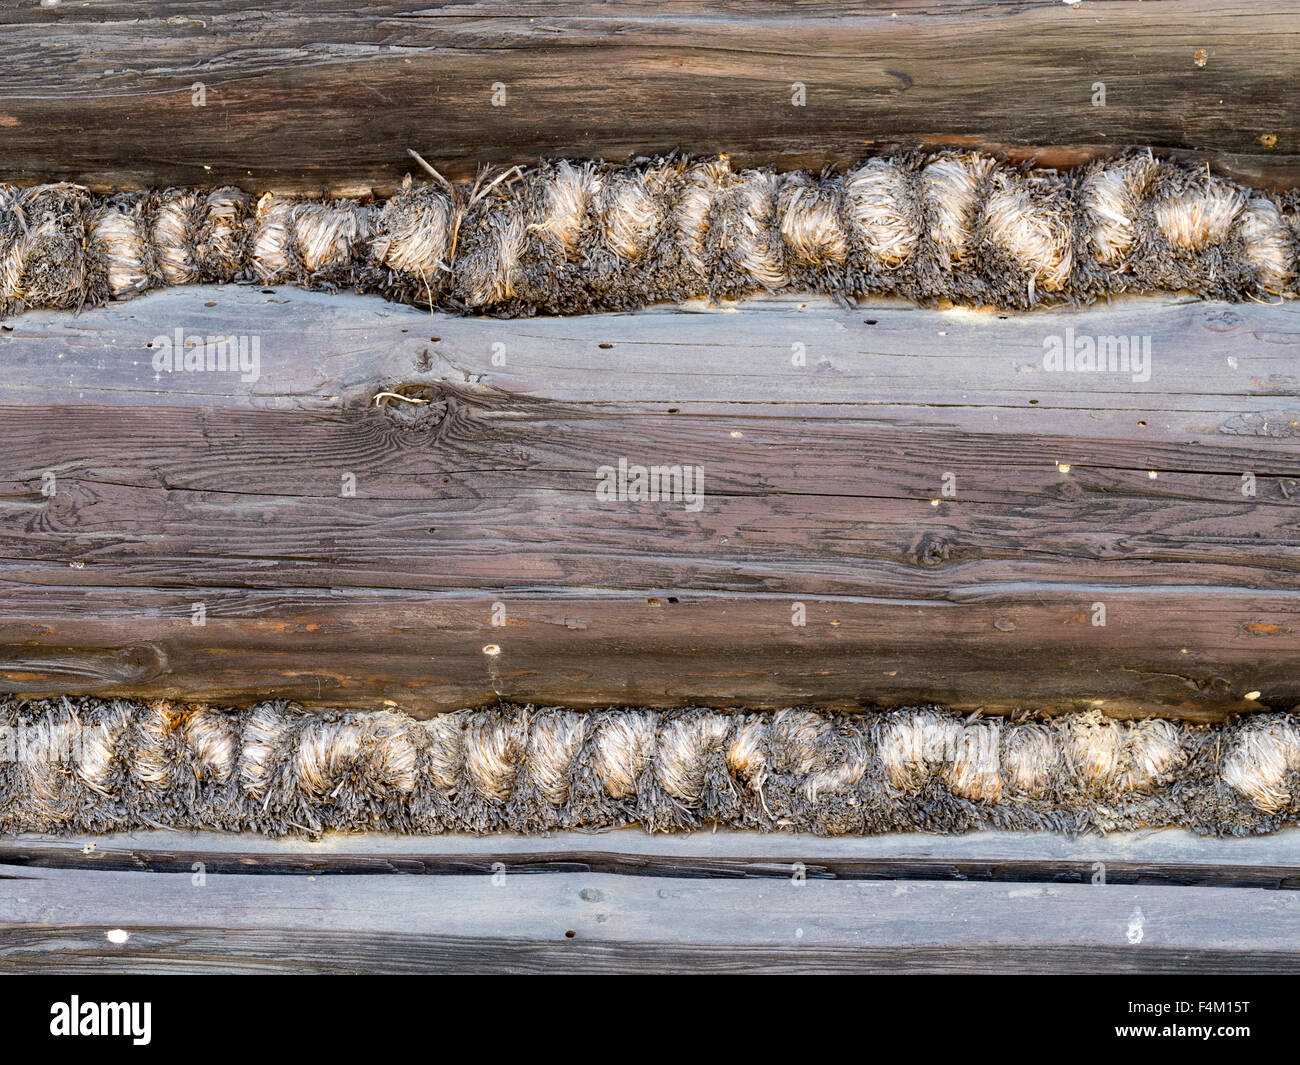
(58, 920)
(1167, 856)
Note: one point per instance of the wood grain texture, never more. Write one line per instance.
(308, 96)
(823, 485)
(56, 920)
(1166, 857)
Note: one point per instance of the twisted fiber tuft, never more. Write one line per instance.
(89, 765)
(573, 237)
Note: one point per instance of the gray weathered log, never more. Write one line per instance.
(58, 920)
(1166, 857)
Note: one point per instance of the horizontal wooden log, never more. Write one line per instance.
(346, 547)
(59, 920)
(305, 96)
(1168, 857)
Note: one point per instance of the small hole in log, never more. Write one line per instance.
(672, 410)
(870, 321)
(605, 347)
(570, 934)
(417, 406)
(672, 599)
(1033, 401)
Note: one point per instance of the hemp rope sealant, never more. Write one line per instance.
(94, 765)
(567, 238)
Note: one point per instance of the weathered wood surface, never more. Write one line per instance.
(823, 486)
(310, 95)
(58, 920)
(1166, 857)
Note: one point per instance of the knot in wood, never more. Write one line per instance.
(932, 550)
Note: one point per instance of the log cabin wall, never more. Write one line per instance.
(400, 509)
(901, 504)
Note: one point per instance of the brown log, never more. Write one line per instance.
(824, 485)
(309, 96)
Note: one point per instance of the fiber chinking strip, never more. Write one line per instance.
(90, 765)
(572, 237)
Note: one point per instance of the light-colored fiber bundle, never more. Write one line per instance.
(574, 237)
(91, 765)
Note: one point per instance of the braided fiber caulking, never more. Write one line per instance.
(90, 765)
(574, 237)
